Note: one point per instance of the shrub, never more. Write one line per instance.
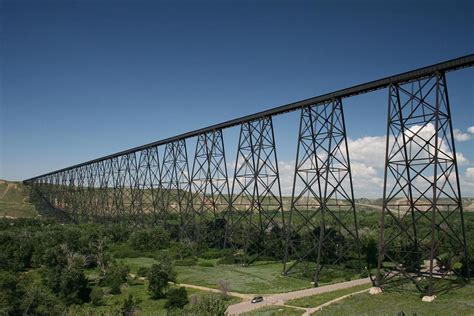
(209, 304)
(125, 251)
(74, 286)
(177, 298)
(205, 264)
(158, 278)
(214, 253)
(130, 305)
(143, 271)
(97, 294)
(115, 277)
(226, 260)
(186, 262)
(150, 239)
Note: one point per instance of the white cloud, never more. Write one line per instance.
(461, 159)
(367, 157)
(470, 173)
(369, 150)
(462, 137)
(471, 129)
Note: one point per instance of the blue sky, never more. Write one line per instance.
(83, 79)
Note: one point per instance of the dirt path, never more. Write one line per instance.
(281, 298)
(312, 310)
(9, 185)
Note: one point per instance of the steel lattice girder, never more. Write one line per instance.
(422, 226)
(256, 205)
(322, 212)
(210, 189)
(176, 193)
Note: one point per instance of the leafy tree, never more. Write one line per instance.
(39, 300)
(159, 276)
(74, 286)
(143, 271)
(177, 298)
(115, 277)
(130, 305)
(153, 239)
(8, 293)
(371, 253)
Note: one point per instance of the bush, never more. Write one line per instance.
(130, 305)
(143, 271)
(125, 251)
(97, 294)
(115, 277)
(226, 260)
(214, 253)
(209, 304)
(186, 262)
(74, 287)
(205, 264)
(150, 239)
(159, 276)
(177, 298)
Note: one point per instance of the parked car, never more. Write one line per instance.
(257, 299)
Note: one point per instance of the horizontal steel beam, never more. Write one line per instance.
(450, 65)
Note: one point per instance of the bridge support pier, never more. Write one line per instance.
(210, 190)
(422, 235)
(322, 224)
(256, 213)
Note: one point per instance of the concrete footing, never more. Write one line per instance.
(428, 299)
(375, 290)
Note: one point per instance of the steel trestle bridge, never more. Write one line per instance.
(193, 196)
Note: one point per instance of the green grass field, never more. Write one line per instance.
(316, 300)
(14, 200)
(274, 311)
(457, 302)
(261, 278)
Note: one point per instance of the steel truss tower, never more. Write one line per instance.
(422, 239)
(176, 194)
(210, 189)
(322, 225)
(256, 206)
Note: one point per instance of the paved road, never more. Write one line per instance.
(280, 299)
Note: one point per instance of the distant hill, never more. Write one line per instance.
(14, 200)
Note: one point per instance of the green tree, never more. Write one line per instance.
(115, 277)
(39, 300)
(8, 293)
(130, 305)
(371, 253)
(150, 239)
(74, 286)
(159, 276)
(177, 298)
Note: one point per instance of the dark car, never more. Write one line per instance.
(257, 299)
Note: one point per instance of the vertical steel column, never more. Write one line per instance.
(155, 185)
(176, 193)
(322, 225)
(422, 234)
(256, 204)
(210, 189)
